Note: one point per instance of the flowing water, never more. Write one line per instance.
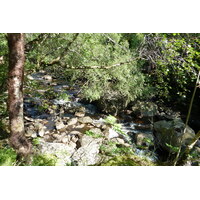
(130, 129)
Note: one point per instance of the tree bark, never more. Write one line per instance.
(15, 94)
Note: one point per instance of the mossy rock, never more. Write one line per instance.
(127, 161)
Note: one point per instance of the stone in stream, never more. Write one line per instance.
(144, 139)
(76, 133)
(96, 131)
(87, 154)
(86, 120)
(29, 132)
(110, 133)
(60, 125)
(170, 133)
(72, 121)
(79, 114)
(47, 77)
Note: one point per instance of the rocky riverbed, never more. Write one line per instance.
(76, 133)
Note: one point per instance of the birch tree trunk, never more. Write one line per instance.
(15, 93)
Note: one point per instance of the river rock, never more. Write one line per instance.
(87, 154)
(171, 132)
(66, 139)
(86, 120)
(79, 114)
(72, 121)
(62, 151)
(47, 77)
(60, 125)
(110, 133)
(144, 139)
(96, 131)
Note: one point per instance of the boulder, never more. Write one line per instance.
(87, 154)
(63, 152)
(171, 133)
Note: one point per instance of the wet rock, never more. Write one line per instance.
(86, 120)
(171, 132)
(87, 154)
(72, 121)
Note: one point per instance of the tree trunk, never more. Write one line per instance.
(15, 94)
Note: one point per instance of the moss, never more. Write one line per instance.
(7, 157)
(130, 160)
(44, 160)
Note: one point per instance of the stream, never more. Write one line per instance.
(133, 130)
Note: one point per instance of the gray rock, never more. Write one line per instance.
(87, 154)
(41, 132)
(60, 125)
(110, 133)
(65, 139)
(75, 133)
(47, 77)
(79, 114)
(171, 133)
(34, 135)
(30, 132)
(72, 121)
(96, 131)
(62, 151)
(86, 120)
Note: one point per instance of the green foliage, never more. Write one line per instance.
(92, 134)
(44, 160)
(3, 61)
(36, 141)
(7, 157)
(75, 56)
(111, 148)
(63, 96)
(173, 148)
(175, 61)
(127, 161)
(112, 121)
